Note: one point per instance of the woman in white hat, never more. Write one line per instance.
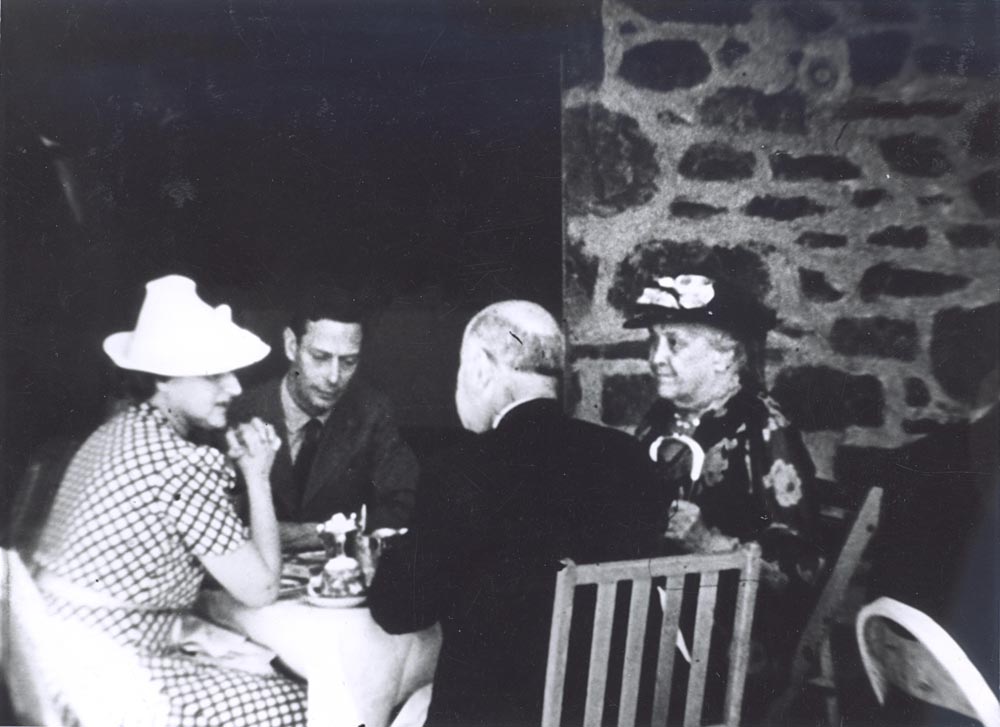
(143, 513)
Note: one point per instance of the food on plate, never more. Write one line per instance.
(341, 578)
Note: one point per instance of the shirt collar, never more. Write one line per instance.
(295, 418)
(517, 402)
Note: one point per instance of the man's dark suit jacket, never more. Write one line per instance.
(361, 458)
(493, 520)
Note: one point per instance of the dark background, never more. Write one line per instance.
(409, 151)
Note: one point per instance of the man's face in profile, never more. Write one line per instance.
(323, 361)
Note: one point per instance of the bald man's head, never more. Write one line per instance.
(511, 351)
(520, 335)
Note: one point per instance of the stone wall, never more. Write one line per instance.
(850, 152)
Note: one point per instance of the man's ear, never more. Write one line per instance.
(291, 344)
(484, 368)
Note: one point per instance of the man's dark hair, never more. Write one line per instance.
(323, 302)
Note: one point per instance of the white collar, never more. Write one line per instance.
(517, 402)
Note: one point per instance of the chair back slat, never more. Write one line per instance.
(708, 589)
(667, 651)
(739, 649)
(555, 669)
(637, 615)
(641, 574)
(600, 649)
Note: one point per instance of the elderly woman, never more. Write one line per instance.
(143, 513)
(743, 473)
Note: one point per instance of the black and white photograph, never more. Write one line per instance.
(499, 363)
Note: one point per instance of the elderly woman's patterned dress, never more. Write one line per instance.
(756, 484)
(137, 506)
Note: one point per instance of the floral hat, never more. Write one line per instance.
(696, 298)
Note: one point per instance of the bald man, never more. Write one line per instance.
(494, 518)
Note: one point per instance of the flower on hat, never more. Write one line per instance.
(683, 291)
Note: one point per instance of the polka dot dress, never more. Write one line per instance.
(136, 507)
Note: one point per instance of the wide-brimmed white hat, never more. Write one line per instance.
(179, 334)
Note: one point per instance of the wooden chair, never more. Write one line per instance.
(641, 574)
(812, 662)
(54, 667)
(924, 662)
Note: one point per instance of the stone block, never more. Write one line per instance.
(808, 18)
(703, 12)
(783, 208)
(670, 118)
(935, 199)
(612, 351)
(922, 426)
(865, 198)
(826, 167)
(572, 391)
(609, 164)
(964, 345)
(896, 236)
(867, 107)
(817, 240)
(653, 258)
(985, 190)
(887, 12)
(979, 61)
(878, 57)
(816, 287)
(817, 398)
(984, 133)
(822, 74)
(665, 65)
(916, 392)
(580, 268)
(732, 52)
(716, 162)
(973, 236)
(625, 398)
(887, 279)
(743, 109)
(878, 337)
(915, 155)
(692, 210)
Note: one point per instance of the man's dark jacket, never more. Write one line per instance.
(493, 520)
(361, 458)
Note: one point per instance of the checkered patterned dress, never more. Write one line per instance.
(136, 507)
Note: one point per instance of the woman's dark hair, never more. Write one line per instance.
(138, 386)
(323, 302)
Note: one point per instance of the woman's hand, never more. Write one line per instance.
(252, 447)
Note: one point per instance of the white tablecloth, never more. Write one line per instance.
(357, 673)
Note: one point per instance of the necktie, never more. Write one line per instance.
(307, 453)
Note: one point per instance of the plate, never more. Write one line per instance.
(311, 557)
(314, 598)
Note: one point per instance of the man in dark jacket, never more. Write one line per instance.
(341, 446)
(494, 518)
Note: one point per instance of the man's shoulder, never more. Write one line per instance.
(600, 439)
